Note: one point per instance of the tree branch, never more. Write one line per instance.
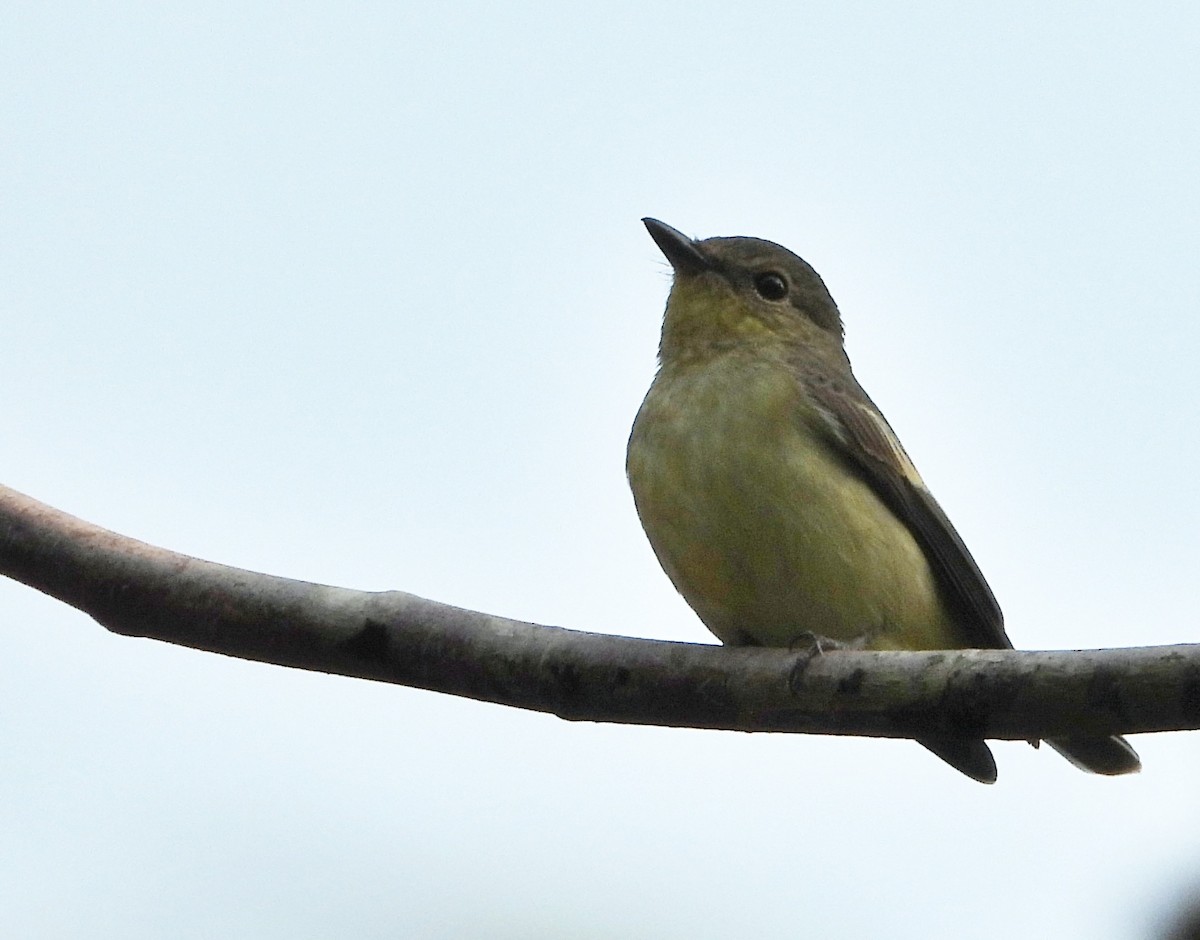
(135, 589)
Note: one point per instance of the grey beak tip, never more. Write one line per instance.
(680, 250)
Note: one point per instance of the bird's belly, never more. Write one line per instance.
(768, 534)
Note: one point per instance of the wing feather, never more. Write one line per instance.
(872, 445)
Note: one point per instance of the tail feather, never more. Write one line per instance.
(1109, 756)
(970, 756)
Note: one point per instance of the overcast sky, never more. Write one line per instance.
(358, 294)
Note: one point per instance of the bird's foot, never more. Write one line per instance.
(816, 644)
(809, 646)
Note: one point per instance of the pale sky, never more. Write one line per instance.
(358, 294)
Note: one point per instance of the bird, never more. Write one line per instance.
(778, 499)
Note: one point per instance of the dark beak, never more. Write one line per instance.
(680, 250)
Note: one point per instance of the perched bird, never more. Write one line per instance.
(776, 495)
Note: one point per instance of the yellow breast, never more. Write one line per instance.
(761, 522)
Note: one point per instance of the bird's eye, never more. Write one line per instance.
(771, 286)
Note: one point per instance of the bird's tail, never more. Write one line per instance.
(970, 756)
(1109, 756)
(1097, 755)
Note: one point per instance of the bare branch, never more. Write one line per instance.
(136, 589)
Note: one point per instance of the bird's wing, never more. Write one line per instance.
(872, 445)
